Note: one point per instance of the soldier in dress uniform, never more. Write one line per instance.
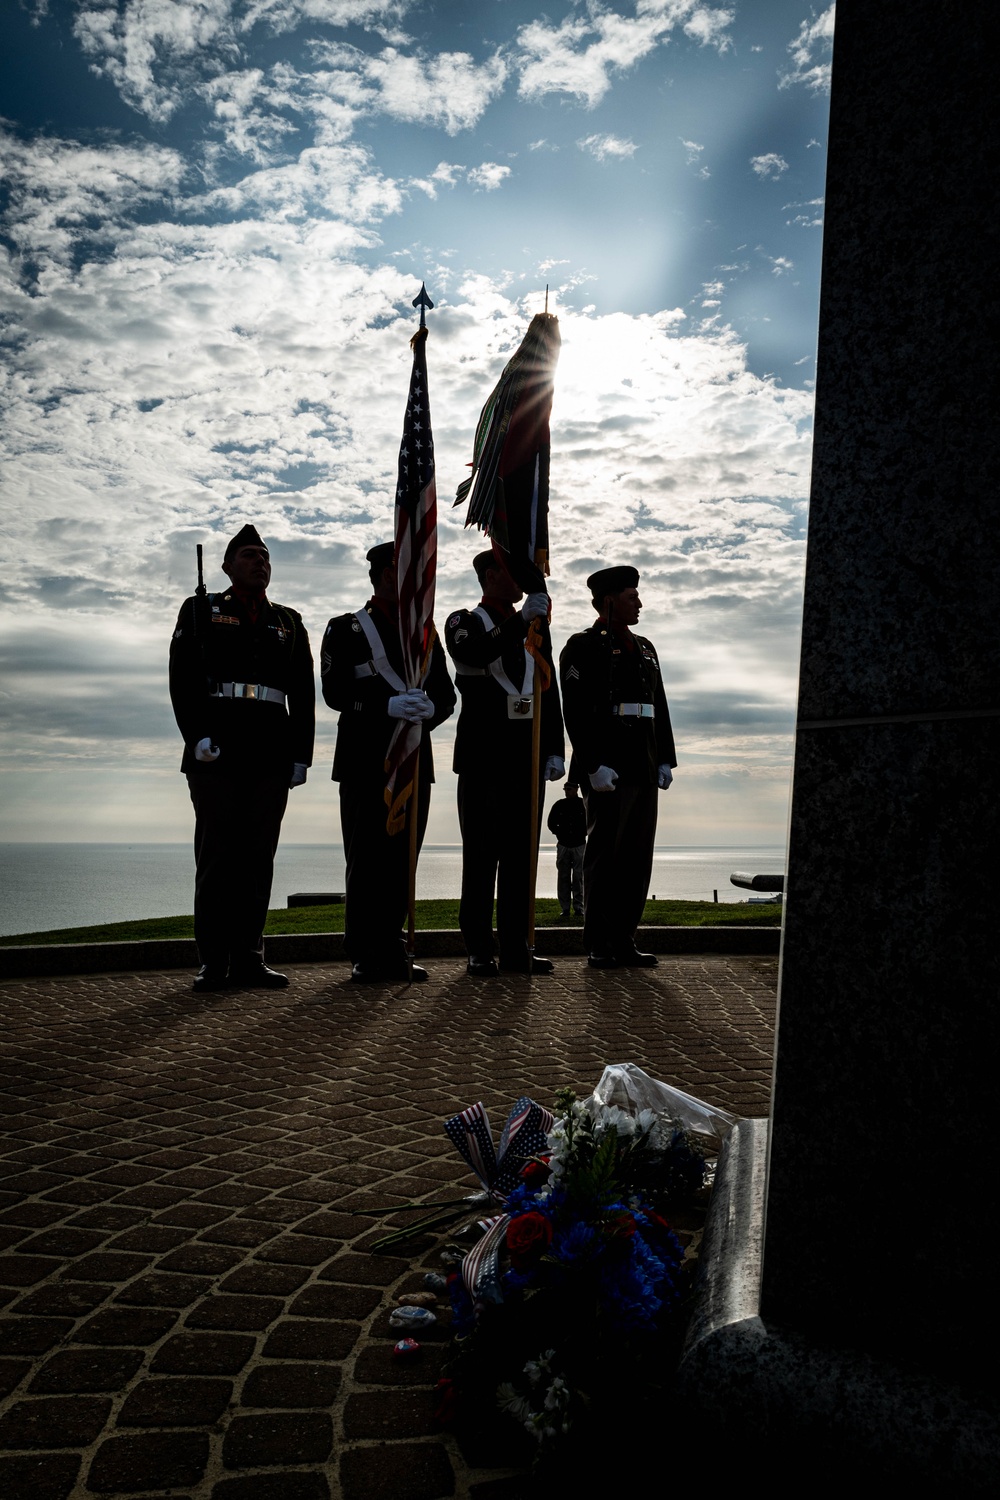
(619, 725)
(361, 667)
(242, 689)
(568, 821)
(495, 676)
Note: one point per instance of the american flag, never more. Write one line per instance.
(524, 1135)
(470, 1132)
(416, 569)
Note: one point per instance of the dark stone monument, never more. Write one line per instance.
(846, 1314)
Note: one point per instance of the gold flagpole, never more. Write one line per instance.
(411, 933)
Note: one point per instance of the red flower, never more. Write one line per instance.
(622, 1226)
(536, 1171)
(528, 1237)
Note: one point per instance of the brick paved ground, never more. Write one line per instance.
(190, 1308)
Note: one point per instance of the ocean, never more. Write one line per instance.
(44, 886)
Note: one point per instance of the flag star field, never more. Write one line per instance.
(216, 215)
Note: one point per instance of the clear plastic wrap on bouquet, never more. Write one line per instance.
(632, 1090)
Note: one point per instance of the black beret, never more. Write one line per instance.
(247, 536)
(381, 556)
(613, 580)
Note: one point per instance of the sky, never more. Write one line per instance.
(214, 216)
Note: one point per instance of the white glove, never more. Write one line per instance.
(535, 607)
(603, 779)
(555, 768)
(414, 706)
(298, 774)
(206, 751)
(664, 777)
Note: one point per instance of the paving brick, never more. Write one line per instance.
(63, 1298)
(31, 1335)
(156, 1238)
(164, 1460)
(179, 1401)
(365, 1270)
(33, 1215)
(164, 1289)
(310, 1339)
(389, 1414)
(287, 1486)
(246, 1312)
(54, 1422)
(110, 1216)
(49, 1476)
(155, 1195)
(109, 1265)
(83, 1193)
(285, 1438)
(265, 1281)
(25, 1270)
(299, 1250)
(291, 1385)
(233, 1195)
(203, 1354)
(376, 1366)
(335, 1225)
(87, 1370)
(404, 1471)
(12, 1372)
(124, 1325)
(208, 1260)
(236, 1231)
(276, 1211)
(192, 1215)
(328, 1300)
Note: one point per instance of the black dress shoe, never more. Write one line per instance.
(367, 974)
(482, 968)
(210, 977)
(604, 961)
(259, 977)
(633, 959)
(522, 966)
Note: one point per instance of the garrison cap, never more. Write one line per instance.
(247, 536)
(613, 580)
(381, 556)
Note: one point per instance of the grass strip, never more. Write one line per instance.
(430, 915)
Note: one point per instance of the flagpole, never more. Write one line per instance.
(536, 746)
(411, 931)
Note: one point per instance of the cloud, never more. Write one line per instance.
(581, 55)
(812, 54)
(769, 166)
(693, 157)
(157, 52)
(604, 146)
(809, 215)
(488, 176)
(449, 89)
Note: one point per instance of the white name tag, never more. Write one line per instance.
(519, 708)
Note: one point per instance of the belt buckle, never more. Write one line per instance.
(250, 690)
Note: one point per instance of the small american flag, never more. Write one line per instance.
(470, 1132)
(416, 570)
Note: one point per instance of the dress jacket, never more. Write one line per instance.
(217, 640)
(488, 738)
(351, 686)
(601, 669)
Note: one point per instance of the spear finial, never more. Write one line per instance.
(422, 301)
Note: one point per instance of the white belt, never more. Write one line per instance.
(634, 710)
(255, 690)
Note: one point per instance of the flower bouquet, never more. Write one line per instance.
(569, 1310)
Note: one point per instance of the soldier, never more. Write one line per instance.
(361, 665)
(241, 685)
(568, 821)
(493, 760)
(619, 725)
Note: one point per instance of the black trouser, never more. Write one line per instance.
(237, 823)
(494, 812)
(377, 882)
(621, 828)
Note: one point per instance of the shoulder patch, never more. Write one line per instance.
(453, 621)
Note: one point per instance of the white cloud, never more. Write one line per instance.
(449, 89)
(812, 54)
(156, 51)
(581, 54)
(604, 146)
(488, 176)
(810, 214)
(770, 165)
(693, 157)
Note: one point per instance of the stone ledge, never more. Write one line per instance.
(36, 961)
(779, 1405)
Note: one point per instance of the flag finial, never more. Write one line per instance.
(422, 301)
